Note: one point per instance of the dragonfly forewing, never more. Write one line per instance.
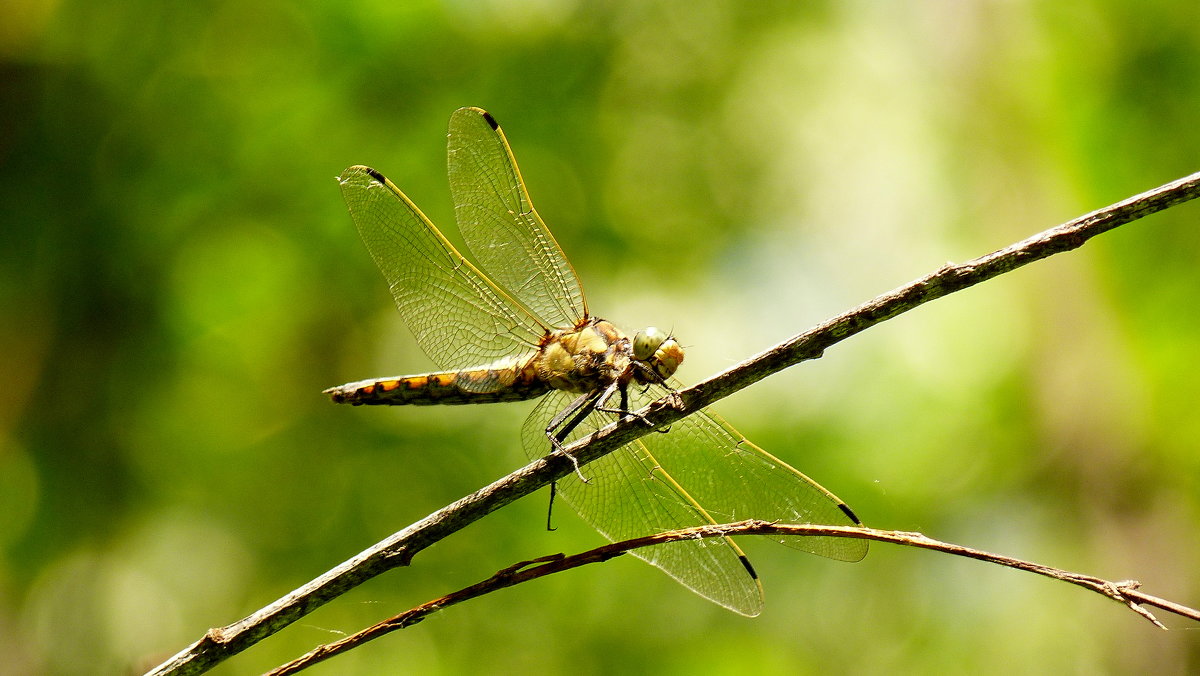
(699, 471)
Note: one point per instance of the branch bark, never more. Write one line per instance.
(1125, 592)
(399, 548)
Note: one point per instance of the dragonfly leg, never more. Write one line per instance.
(672, 399)
(565, 422)
(623, 409)
(550, 506)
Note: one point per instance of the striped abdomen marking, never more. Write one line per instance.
(454, 387)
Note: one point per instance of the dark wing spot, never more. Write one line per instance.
(848, 512)
(489, 119)
(376, 175)
(749, 568)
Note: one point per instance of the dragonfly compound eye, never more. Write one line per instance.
(646, 342)
(667, 358)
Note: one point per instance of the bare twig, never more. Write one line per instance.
(1124, 592)
(399, 548)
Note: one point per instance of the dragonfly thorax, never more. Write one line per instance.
(595, 354)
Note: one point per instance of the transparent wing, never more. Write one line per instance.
(629, 496)
(700, 471)
(501, 228)
(458, 316)
(734, 479)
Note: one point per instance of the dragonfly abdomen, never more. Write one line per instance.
(474, 386)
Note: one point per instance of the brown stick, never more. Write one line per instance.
(1125, 592)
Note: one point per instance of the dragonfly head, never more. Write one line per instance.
(657, 350)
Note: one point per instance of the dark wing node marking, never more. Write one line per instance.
(850, 513)
(749, 568)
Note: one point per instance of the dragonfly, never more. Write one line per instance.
(517, 327)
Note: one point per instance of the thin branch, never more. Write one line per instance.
(399, 548)
(1124, 592)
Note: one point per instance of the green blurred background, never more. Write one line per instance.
(180, 280)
